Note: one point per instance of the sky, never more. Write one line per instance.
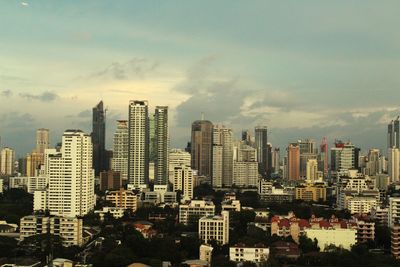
(306, 69)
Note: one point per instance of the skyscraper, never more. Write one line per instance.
(261, 133)
(394, 133)
(344, 157)
(120, 149)
(161, 145)
(222, 156)
(7, 160)
(42, 140)
(71, 176)
(99, 139)
(394, 164)
(293, 162)
(138, 154)
(201, 147)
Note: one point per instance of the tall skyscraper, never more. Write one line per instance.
(394, 133)
(261, 133)
(293, 162)
(120, 149)
(7, 161)
(201, 147)
(71, 176)
(138, 154)
(161, 145)
(276, 153)
(42, 140)
(99, 139)
(222, 156)
(394, 164)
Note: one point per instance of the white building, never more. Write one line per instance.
(215, 227)
(7, 160)
(359, 204)
(339, 237)
(177, 157)
(138, 152)
(394, 210)
(222, 174)
(191, 211)
(70, 176)
(30, 184)
(116, 212)
(183, 181)
(394, 164)
(257, 254)
(120, 149)
(40, 200)
(68, 228)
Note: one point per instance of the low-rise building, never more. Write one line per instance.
(311, 192)
(215, 227)
(193, 210)
(123, 199)
(29, 184)
(69, 229)
(116, 212)
(344, 238)
(231, 205)
(206, 253)
(240, 253)
(360, 204)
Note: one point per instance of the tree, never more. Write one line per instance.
(7, 246)
(307, 245)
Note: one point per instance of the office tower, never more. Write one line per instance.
(293, 162)
(222, 156)
(201, 147)
(343, 157)
(120, 149)
(312, 169)
(245, 166)
(372, 166)
(71, 176)
(138, 154)
(7, 160)
(394, 133)
(110, 180)
(394, 164)
(308, 151)
(42, 140)
(183, 181)
(246, 137)
(161, 145)
(99, 138)
(323, 157)
(276, 160)
(261, 134)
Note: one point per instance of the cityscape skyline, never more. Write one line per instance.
(305, 76)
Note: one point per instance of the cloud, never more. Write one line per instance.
(25, 4)
(133, 68)
(85, 114)
(44, 97)
(16, 120)
(6, 93)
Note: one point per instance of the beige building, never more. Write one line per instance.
(312, 170)
(206, 253)
(193, 210)
(123, 199)
(33, 162)
(183, 181)
(222, 172)
(7, 159)
(120, 149)
(240, 253)
(395, 241)
(215, 228)
(69, 229)
(311, 192)
(344, 238)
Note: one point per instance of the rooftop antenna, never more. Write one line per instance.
(202, 116)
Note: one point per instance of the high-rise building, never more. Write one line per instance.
(312, 169)
(71, 176)
(215, 228)
(372, 166)
(323, 157)
(33, 162)
(7, 160)
(202, 147)
(161, 145)
(246, 137)
(245, 166)
(394, 133)
(110, 180)
(152, 139)
(120, 149)
(394, 164)
(99, 139)
(183, 181)
(176, 158)
(293, 162)
(276, 153)
(344, 157)
(42, 140)
(138, 154)
(222, 156)
(261, 134)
